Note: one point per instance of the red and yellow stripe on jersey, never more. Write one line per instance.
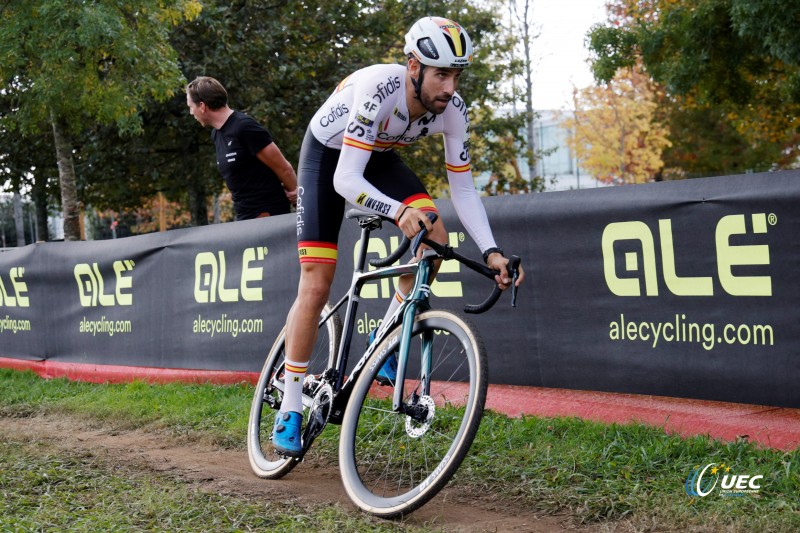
(343, 83)
(395, 144)
(355, 143)
(317, 252)
(460, 168)
(382, 145)
(421, 201)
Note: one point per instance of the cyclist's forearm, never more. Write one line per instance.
(470, 211)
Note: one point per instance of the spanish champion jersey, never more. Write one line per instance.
(368, 112)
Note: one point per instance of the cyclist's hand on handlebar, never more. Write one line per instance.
(409, 220)
(498, 262)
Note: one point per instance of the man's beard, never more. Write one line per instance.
(429, 104)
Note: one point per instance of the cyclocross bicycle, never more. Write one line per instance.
(399, 443)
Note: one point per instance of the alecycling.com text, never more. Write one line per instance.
(679, 329)
(104, 326)
(227, 326)
(14, 325)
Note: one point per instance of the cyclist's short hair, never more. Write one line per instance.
(209, 91)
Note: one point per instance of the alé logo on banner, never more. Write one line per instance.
(211, 278)
(382, 289)
(705, 479)
(13, 290)
(728, 257)
(92, 284)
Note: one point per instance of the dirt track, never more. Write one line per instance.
(228, 472)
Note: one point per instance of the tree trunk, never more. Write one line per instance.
(39, 196)
(527, 41)
(217, 211)
(197, 203)
(19, 221)
(69, 189)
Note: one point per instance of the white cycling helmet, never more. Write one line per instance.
(439, 42)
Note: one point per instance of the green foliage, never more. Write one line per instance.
(729, 65)
(705, 143)
(614, 48)
(87, 62)
(721, 51)
(279, 61)
(70, 65)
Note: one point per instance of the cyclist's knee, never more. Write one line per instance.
(315, 284)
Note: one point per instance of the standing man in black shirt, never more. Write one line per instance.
(261, 180)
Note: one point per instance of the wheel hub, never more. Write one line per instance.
(417, 426)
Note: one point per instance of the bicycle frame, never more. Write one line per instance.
(422, 271)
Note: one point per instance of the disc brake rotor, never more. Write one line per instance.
(416, 428)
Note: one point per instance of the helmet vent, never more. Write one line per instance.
(427, 48)
(461, 49)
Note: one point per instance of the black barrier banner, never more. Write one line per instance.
(678, 289)
(204, 298)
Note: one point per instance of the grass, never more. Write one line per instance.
(44, 489)
(616, 475)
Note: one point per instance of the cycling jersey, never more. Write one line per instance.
(367, 113)
(255, 187)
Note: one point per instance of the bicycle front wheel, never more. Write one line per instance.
(394, 462)
(268, 395)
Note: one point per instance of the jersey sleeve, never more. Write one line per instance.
(357, 145)
(253, 136)
(466, 200)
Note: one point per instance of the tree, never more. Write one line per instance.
(28, 167)
(616, 136)
(736, 59)
(67, 65)
(704, 142)
(279, 62)
(278, 67)
(526, 26)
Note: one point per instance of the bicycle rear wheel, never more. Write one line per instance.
(264, 460)
(392, 463)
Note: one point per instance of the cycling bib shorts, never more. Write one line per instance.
(320, 208)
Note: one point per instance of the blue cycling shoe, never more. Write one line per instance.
(388, 372)
(286, 434)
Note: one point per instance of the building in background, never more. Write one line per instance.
(558, 166)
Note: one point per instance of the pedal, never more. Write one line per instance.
(299, 458)
(318, 415)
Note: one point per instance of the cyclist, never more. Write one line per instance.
(348, 154)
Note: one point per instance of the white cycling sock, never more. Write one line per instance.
(394, 304)
(294, 374)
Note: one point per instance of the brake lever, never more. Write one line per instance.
(418, 238)
(513, 269)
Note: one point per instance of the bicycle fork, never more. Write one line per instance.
(418, 300)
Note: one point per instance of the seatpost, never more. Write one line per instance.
(362, 250)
